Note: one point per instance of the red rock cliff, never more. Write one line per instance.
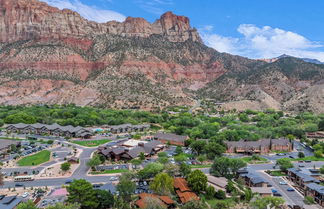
(32, 19)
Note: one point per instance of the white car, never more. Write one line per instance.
(282, 183)
(113, 178)
(25, 195)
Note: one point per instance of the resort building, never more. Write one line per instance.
(164, 201)
(300, 178)
(128, 128)
(316, 191)
(258, 147)
(54, 130)
(183, 191)
(5, 146)
(173, 139)
(131, 149)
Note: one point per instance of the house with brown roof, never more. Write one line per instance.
(173, 139)
(183, 191)
(6, 144)
(262, 191)
(219, 183)
(258, 147)
(164, 201)
(315, 135)
(120, 152)
(54, 129)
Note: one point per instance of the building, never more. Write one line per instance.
(9, 202)
(128, 128)
(300, 178)
(164, 201)
(258, 147)
(316, 191)
(54, 129)
(315, 135)
(219, 183)
(253, 180)
(183, 191)
(130, 150)
(73, 160)
(262, 191)
(171, 138)
(6, 144)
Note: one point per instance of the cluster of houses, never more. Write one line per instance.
(308, 181)
(128, 128)
(258, 147)
(130, 149)
(182, 190)
(54, 130)
(315, 135)
(5, 145)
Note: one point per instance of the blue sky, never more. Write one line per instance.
(251, 28)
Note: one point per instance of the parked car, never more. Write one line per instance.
(19, 185)
(301, 166)
(277, 194)
(25, 195)
(308, 161)
(282, 183)
(290, 189)
(273, 190)
(281, 154)
(68, 181)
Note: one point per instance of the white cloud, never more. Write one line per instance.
(88, 12)
(154, 6)
(264, 42)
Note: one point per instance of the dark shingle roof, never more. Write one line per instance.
(170, 137)
(316, 187)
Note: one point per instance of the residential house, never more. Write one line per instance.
(263, 191)
(54, 129)
(183, 191)
(164, 201)
(128, 128)
(301, 179)
(5, 146)
(219, 183)
(315, 135)
(258, 147)
(316, 191)
(128, 152)
(73, 160)
(173, 139)
(253, 180)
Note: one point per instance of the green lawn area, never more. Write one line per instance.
(92, 143)
(213, 202)
(109, 171)
(277, 173)
(36, 159)
(251, 161)
(201, 166)
(311, 158)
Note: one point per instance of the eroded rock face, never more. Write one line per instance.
(32, 19)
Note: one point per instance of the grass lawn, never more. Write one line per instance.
(109, 171)
(35, 159)
(10, 138)
(213, 202)
(251, 161)
(91, 143)
(201, 166)
(277, 173)
(311, 158)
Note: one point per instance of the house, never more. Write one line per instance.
(54, 129)
(253, 180)
(258, 147)
(6, 144)
(263, 191)
(316, 191)
(171, 138)
(315, 135)
(128, 151)
(183, 191)
(127, 128)
(219, 183)
(9, 202)
(301, 179)
(164, 201)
